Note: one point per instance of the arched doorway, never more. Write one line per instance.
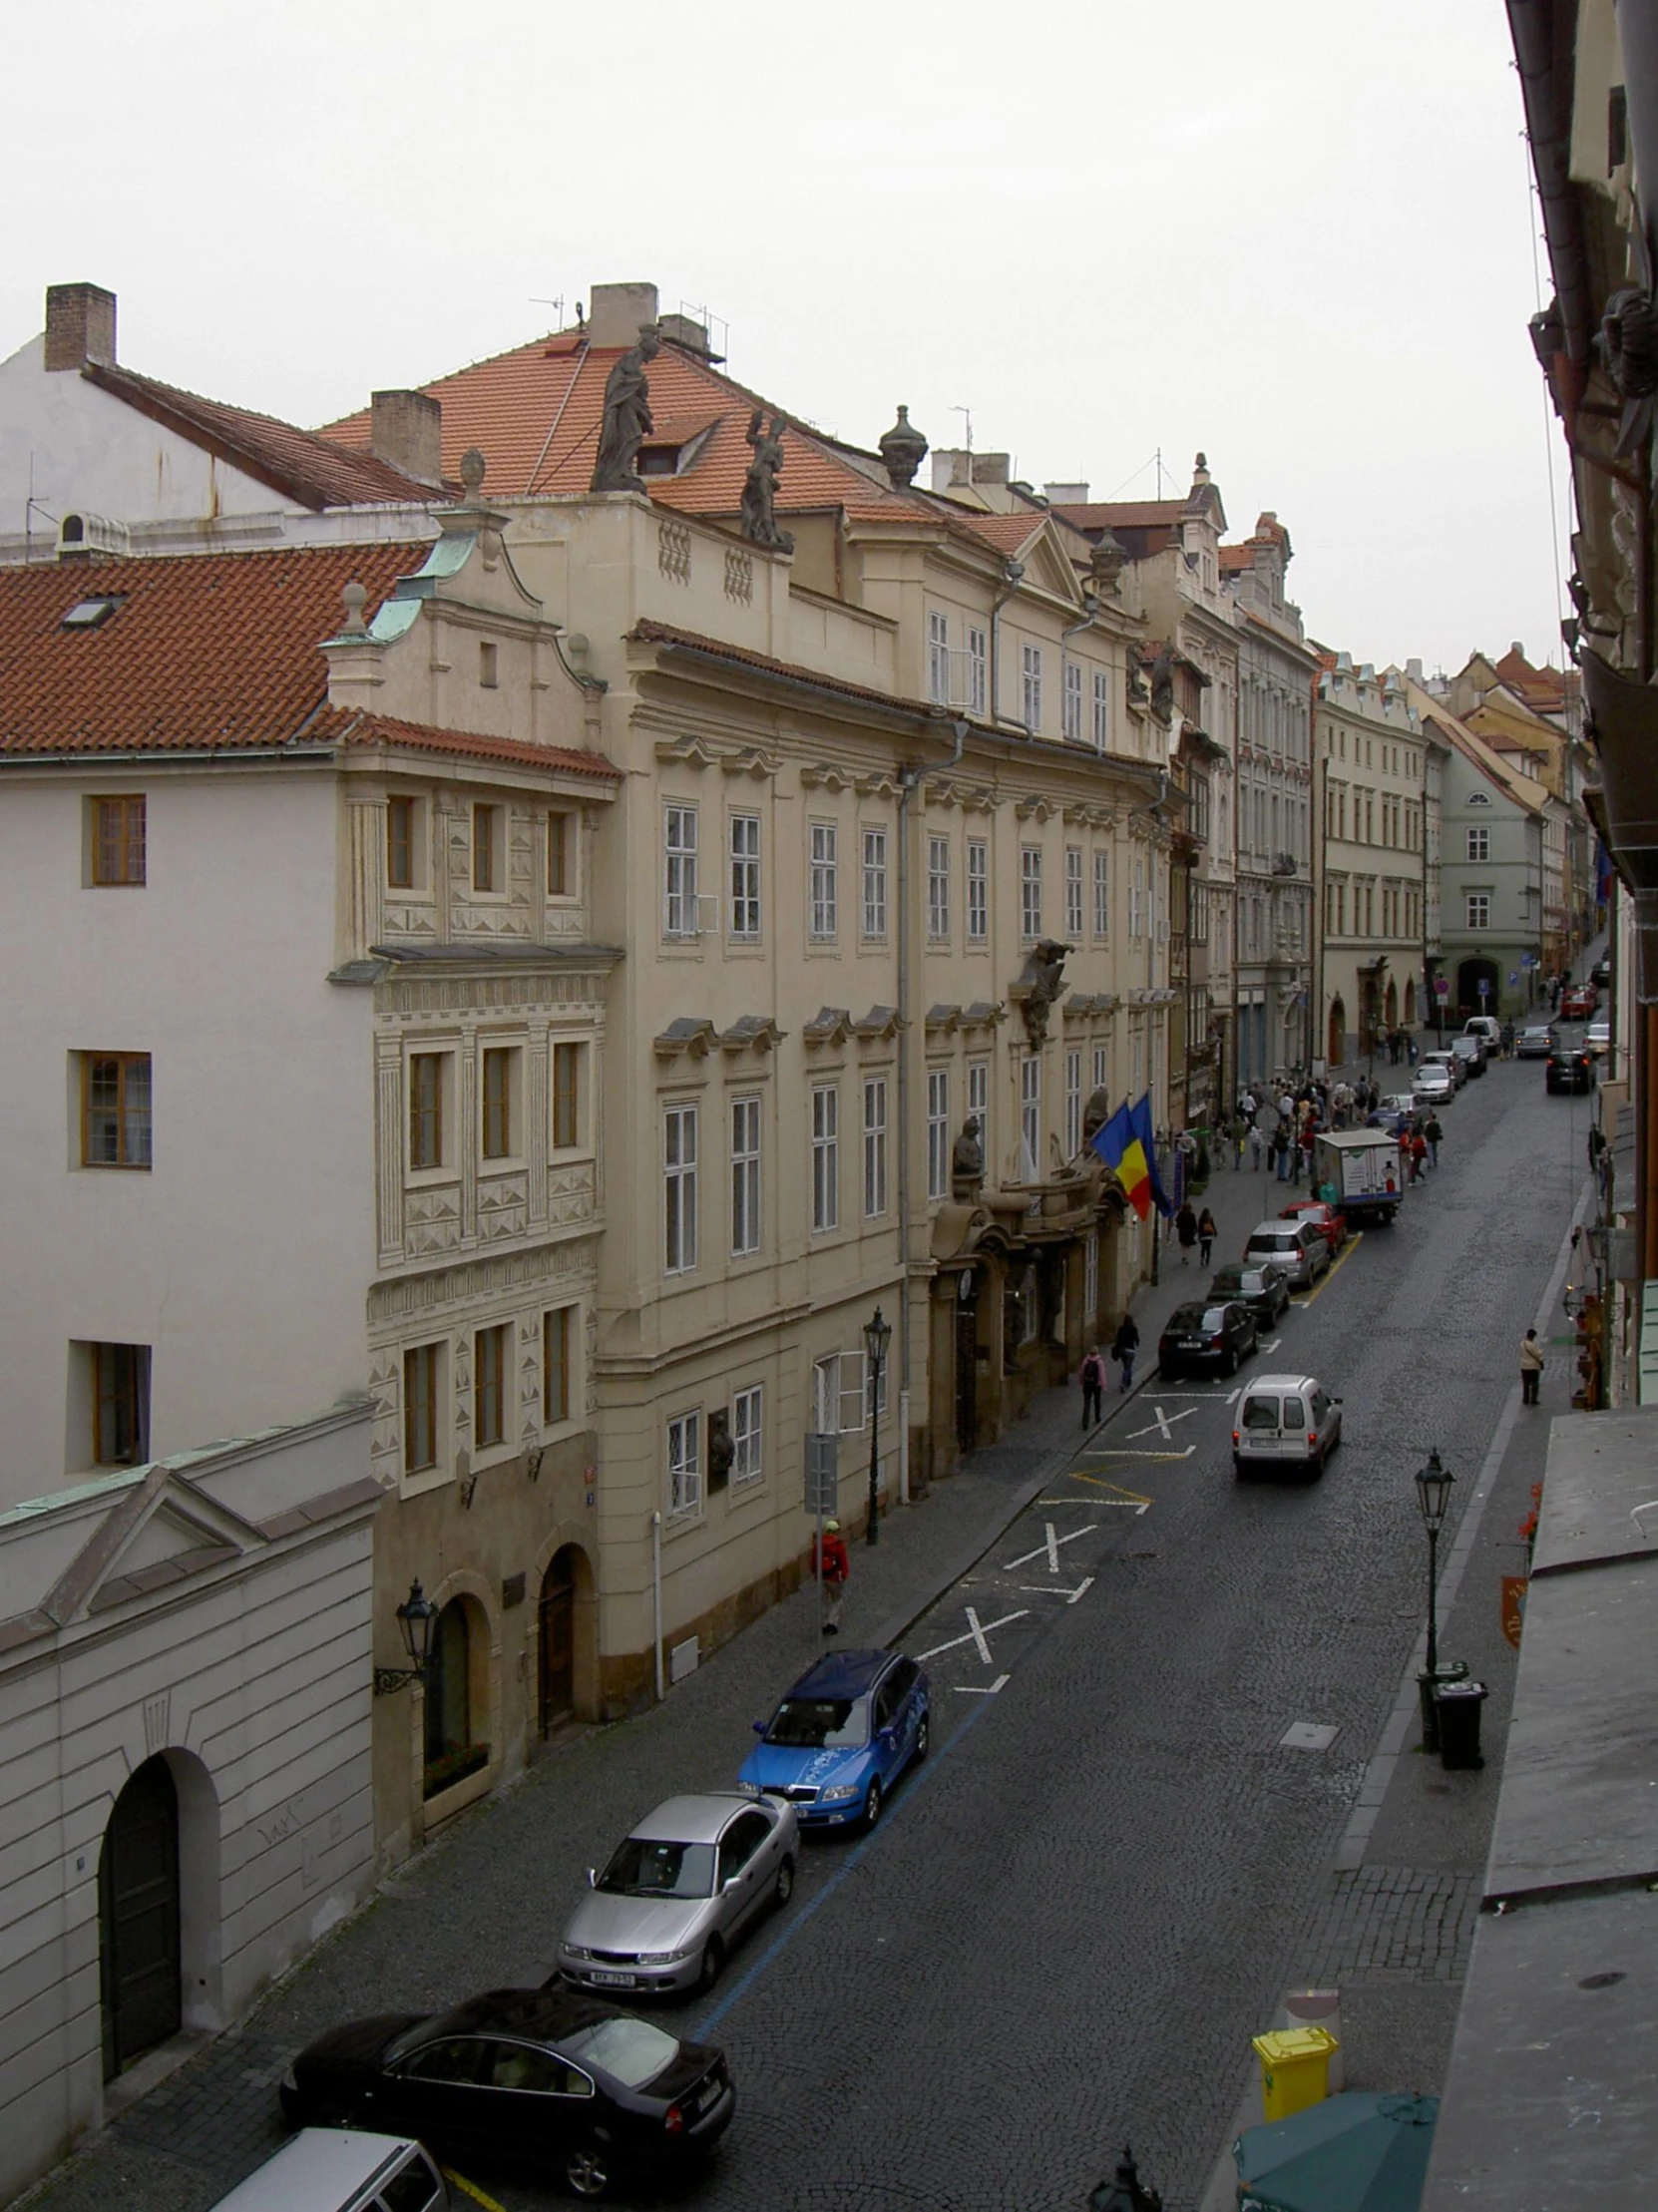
(1409, 1006)
(138, 1917)
(557, 1639)
(457, 1691)
(1336, 1041)
(1470, 975)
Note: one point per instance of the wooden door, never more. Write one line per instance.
(138, 1911)
(558, 1640)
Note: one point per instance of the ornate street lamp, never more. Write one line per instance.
(1433, 1497)
(1129, 2193)
(877, 1337)
(416, 1617)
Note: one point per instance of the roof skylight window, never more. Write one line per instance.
(91, 613)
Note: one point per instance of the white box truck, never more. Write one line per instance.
(1361, 1171)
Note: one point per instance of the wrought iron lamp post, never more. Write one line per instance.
(877, 1337)
(416, 1617)
(1433, 1497)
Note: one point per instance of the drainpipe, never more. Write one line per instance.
(907, 780)
(657, 1598)
(1013, 574)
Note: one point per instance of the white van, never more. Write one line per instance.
(1486, 1025)
(342, 2169)
(1286, 1421)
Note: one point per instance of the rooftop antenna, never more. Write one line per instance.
(1159, 458)
(557, 306)
(966, 414)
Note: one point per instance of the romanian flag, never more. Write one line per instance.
(1118, 1146)
(1146, 1143)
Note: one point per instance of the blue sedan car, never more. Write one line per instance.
(841, 1738)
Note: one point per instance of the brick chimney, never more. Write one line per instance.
(617, 313)
(406, 431)
(80, 327)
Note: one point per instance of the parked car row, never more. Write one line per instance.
(554, 2076)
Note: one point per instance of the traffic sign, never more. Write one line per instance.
(1528, 960)
(1513, 978)
(1442, 987)
(822, 1474)
(1484, 988)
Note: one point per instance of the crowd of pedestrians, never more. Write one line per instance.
(1274, 1127)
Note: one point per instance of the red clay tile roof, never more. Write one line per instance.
(381, 729)
(534, 415)
(1235, 559)
(1131, 514)
(208, 653)
(312, 470)
(1009, 534)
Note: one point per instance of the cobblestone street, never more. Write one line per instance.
(1114, 1865)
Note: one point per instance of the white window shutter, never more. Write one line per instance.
(852, 1394)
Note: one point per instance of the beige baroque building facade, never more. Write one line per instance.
(1372, 806)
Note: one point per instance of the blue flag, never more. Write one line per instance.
(1139, 1117)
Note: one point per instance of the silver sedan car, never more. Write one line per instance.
(691, 1878)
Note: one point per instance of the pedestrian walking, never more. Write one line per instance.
(1092, 1379)
(1257, 1148)
(1435, 1137)
(1207, 1234)
(1185, 1228)
(833, 1569)
(1418, 1153)
(1532, 1368)
(1124, 1345)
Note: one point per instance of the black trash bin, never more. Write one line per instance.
(1457, 1705)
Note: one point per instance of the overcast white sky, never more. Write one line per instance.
(1296, 233)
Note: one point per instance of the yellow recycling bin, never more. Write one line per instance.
(1295, 2066)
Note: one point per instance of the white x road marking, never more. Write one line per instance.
(989, 1690)
(1053, 1590)
(977, 1632)
(1162, 1421)
(1048, 1550)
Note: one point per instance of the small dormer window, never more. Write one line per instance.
(659, 460)
(488, 669)
(91, 613)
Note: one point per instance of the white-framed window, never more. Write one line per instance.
(875, 1146)
(1480, 845)
(1031, 890)
(979, 1100)
(840, 1401)
(1031, 1116)
(1136, 902)
(1136, 1055)
(748, 1434)
(684, 1466)
(1031, 671)
(745, 877)
(978, 891)
(746, 1176)
(680, 904)
(1102, 721)
(937, 657)
(826, 1156)
(1074, 1102)
(875, 883)
(1101, 894)
(1478, 910)
(978, 653)
(825, 887)
(1101, 1067)
(489, 849)
(938, 1132)
(679, 1188)
(938, 887)
(1073, 893)
(1070, 702)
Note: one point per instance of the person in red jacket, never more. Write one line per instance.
(833, 1569)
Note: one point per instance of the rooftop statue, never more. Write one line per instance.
(759, 491)
(628, 421)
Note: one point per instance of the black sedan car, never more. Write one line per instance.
(544, 2076)
(1263, 1288)
(1569, 1068)
(1197, 1337)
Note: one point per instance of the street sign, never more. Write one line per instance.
(822, 1474)
(1528, 960)
(1513, 978)
(1484, 988)
(1442, 987)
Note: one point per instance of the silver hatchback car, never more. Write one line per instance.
(678, 1892)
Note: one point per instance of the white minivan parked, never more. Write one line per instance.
(342, 2169)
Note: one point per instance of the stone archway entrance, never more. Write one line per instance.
(1336, 1041)
(138, 1917)
(557, 1622)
